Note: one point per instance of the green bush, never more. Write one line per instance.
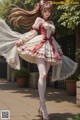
(78, 117)
(74, 77)
(78, 53)
(23, 72)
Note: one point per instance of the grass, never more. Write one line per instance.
(77, 117)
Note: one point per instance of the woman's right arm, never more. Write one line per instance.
(27, 37)
(31, 34)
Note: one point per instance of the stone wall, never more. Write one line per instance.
(10, 73)
(78, 93)
(33, 80)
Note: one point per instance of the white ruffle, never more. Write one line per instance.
(60, 70)
(45, 52)
(64, 69)
(8, 39)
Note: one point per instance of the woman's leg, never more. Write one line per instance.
(43, 68)
(47, 69)
(42, 78)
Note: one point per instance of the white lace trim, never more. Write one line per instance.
(39, 54)
(65, 77)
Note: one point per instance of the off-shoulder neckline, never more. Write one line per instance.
(42, 19)
(48, 21)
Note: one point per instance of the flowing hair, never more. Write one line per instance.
(26, 18)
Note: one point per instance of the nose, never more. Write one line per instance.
(47, 13)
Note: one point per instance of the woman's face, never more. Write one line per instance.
(46, 13)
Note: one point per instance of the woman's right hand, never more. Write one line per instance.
(19, 43)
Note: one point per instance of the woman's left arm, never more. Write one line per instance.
(57, 45)
(60, 50)
(52, 26)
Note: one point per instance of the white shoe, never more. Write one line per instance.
(42, 110)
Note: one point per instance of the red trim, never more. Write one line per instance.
(43, 32)
(34, 29)
(28, 50)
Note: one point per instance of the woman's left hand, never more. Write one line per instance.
(18, 43)
(61, 53)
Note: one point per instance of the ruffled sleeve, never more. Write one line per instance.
(29, 35)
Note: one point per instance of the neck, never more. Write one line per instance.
(45, 19)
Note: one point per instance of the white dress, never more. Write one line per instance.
(42, 45)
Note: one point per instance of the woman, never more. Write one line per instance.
(36, 46)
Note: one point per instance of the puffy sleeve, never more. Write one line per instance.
(37, 23)
(52, 26)
(33, 32)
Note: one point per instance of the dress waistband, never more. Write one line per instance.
(42, 43)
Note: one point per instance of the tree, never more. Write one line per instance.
(66, 17)
(70, 18)
(7, 5)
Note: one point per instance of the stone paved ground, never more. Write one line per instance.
(23, 103)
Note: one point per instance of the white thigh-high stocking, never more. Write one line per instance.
(42, 78)
(47, 69)
(43, 68)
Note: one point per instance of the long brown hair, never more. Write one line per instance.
(26, 18)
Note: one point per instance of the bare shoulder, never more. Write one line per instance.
(39, 18)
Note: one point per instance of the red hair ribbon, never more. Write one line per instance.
(45, 2)
(42, 3)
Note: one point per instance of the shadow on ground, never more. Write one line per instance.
(59, 116)
(51, 93)
(62, 116)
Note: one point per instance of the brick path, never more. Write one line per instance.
(23, 103)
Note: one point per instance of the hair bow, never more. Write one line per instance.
(45, 2)
(42, 2)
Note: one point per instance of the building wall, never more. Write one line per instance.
(78, 93)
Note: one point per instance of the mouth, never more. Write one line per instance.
(47, 16)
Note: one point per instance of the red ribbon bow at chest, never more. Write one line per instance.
(43, 32)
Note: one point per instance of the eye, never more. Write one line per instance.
(49, 11)
(45, 10)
